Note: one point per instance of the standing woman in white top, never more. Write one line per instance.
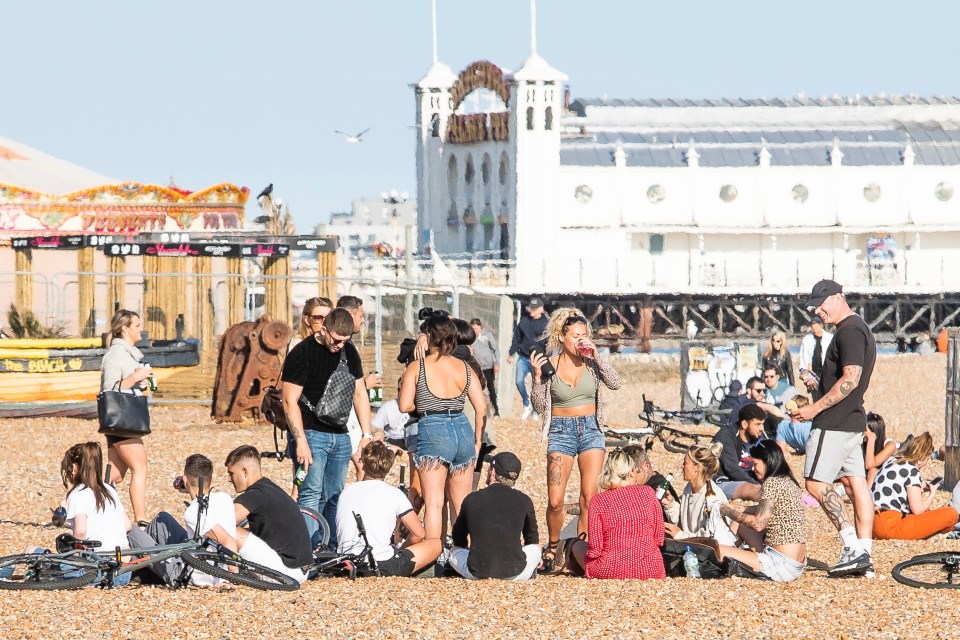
(122, 367)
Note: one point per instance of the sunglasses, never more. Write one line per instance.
(316, 318)
(574, 320)
(337, 342)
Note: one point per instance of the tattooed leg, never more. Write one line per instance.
(832, 505)
(558, 473)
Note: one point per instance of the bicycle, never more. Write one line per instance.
(938, 570)
(332, 564)
(78, 564)
(674, 440)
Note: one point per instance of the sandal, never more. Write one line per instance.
(547, 557)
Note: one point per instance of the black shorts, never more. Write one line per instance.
(397, 442)
(400, 565)
(112, 440)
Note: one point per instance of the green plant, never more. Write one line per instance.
(23, 324)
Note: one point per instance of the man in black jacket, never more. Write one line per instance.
(527, 334)
(736, 476)
(495, 518)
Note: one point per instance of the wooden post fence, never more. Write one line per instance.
(116, 266)
(202, 319)
(23, 294)
(277, 288)
(86, 292)
(327, 268)
(235, 291)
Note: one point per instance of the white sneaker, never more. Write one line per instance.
(527, 410)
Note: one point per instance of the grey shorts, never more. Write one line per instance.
(778, 567)
(832, 455)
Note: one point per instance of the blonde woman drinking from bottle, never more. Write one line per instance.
(572, 405)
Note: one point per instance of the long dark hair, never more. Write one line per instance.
(442, 333)
(771, 455)
(466, 336)
(83, 464)
(876, 424)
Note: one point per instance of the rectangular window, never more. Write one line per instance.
(656, 244)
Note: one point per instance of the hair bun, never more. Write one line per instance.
(716, 448)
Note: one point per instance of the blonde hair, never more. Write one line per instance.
(801, 400)
(616, 469)
(917, 449)
(303, 329)
(707, 457)
(122, 318)
(560, 321)
(783, 345)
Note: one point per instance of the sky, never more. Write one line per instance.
(247, 92)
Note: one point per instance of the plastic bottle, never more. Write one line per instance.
(691, 564)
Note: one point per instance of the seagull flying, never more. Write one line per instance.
(352, 139)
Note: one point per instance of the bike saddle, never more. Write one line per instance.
(69, 542)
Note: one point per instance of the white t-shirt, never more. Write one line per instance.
(220, 511)
(379, 505)
(390, 419)
(107, 525)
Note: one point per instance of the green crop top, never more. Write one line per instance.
(565, 396)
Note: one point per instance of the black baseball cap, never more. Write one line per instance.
(816, 320)
(505, 464)
(534, 303)
(823, 290)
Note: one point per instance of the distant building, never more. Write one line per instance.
(675, 195)
(372, 228)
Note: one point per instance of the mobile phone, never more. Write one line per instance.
(937, 480)
(547, 370)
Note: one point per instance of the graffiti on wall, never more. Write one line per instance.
(706, 370)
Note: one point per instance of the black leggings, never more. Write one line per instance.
(492, 388)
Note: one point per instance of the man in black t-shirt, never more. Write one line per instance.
(736, 477)
(495, 518)
(280, 538)
(321, 444)
(835, 447)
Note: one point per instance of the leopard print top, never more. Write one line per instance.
(788, 523)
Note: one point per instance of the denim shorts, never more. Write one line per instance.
(572, 436)
(445, 438)
(778, 567)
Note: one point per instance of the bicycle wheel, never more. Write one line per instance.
(678, 442)
(248, 574)
(930, 571)
(318, 527)
(36, 571)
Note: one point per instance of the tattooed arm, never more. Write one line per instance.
(755, 517)
(843, 388)
(290, 393)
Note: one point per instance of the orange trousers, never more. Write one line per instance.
(893, 525)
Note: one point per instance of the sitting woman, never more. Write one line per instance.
(93, 509)
(693, 516)
(903, 513)
(877, 447)
(625, 526)
(779, 517)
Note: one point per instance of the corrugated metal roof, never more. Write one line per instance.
(932, 145)
(877, 101)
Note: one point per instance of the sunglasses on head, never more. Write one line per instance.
(574, 320)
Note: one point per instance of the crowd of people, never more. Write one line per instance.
(740, 497)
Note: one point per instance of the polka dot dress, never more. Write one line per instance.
(890, 485)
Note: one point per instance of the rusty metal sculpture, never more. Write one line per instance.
(250, 360)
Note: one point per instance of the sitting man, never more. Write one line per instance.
(736, 466)
(792, 432)
(754, 393)
(277, 537)
(381, 507)
(778, 392)
(495, 518)
(217, 522)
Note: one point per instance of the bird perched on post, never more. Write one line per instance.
(691, 329)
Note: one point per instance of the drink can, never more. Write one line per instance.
(300, 475)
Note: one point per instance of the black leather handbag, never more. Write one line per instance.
(124, 415)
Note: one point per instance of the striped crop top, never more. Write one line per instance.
(425, 402)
